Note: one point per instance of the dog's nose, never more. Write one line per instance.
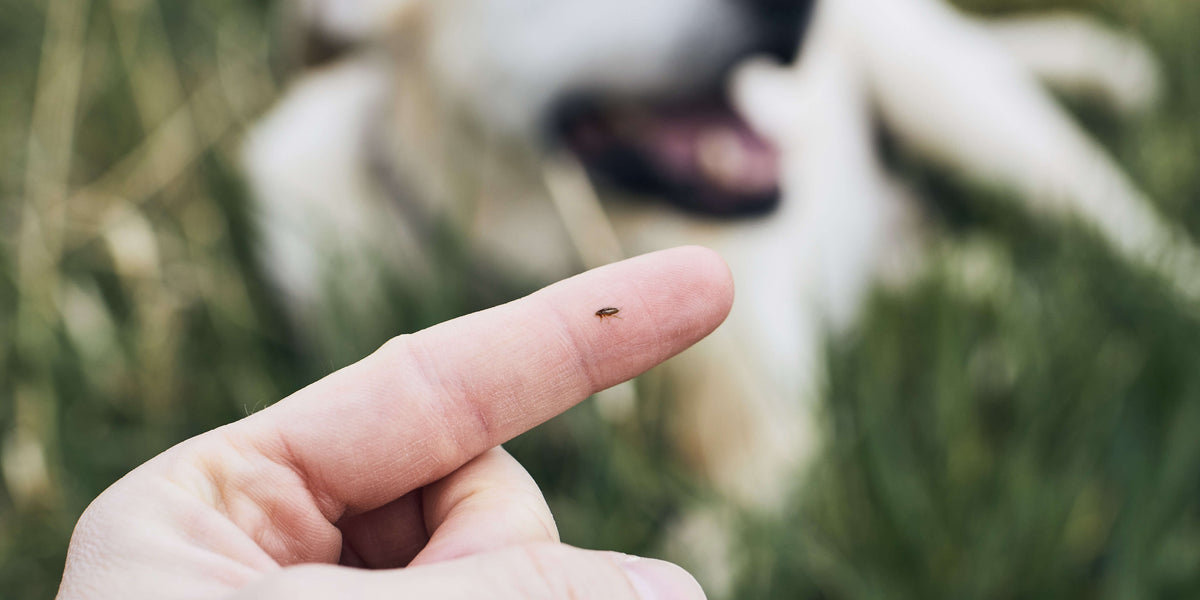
(781, 24)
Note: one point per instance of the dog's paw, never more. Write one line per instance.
(1081, 57)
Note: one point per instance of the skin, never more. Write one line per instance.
(394, 462)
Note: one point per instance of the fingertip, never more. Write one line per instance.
(710, 279)
(717, 276)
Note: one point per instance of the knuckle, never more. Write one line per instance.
(441, 394)
(397, 346)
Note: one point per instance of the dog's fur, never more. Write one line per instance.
(454, 98)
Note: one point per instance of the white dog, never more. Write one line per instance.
(452, 97)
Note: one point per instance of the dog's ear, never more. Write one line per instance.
(334, 25)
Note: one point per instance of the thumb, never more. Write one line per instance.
(535, 572)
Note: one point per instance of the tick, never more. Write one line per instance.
(606, 313)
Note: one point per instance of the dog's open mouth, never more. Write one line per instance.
(700, 156)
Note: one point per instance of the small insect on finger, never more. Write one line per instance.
(607, 313)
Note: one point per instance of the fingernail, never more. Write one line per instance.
(659, 580)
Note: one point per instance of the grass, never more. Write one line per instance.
(1035, 441)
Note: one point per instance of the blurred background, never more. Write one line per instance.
(1038, 440)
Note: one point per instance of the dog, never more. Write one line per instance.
(563, 135)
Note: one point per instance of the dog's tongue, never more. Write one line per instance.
(702, 158)
(715, 149)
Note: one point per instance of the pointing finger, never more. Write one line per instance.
(426, 404)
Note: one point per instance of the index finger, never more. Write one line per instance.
(427, 403)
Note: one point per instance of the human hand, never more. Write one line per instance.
(394, 462)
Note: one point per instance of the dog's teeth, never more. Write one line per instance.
(721, 156)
